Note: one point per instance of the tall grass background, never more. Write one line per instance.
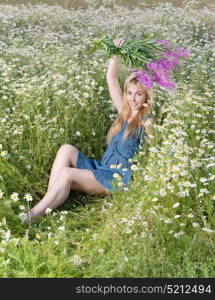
(53, 91)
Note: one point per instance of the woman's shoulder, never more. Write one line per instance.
(147, 116)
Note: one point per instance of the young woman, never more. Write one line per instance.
(72, 170)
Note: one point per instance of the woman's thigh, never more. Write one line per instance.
(83, 180)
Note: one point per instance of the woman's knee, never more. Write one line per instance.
(66, 147)
(67, 174)
(70, 151)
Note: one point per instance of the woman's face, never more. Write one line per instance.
(136, 97)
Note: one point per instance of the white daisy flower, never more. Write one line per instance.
(4, 153)
(195, 225)
(61, 228)
(77, 260)
(14, 196)
(1, 193)
(28, 197)
(48, 211)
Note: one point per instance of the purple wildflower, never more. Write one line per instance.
(144, 77)
(163, 63)
(174, 58)
(183, 52)
(167, 64)
(162, 77)
(160, 70)
(164, 81)
(152, 66)
(164, 42)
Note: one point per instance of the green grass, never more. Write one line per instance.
(51, 87)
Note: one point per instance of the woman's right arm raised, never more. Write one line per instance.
(112, 79)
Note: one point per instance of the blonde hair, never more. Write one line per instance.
(125, 113)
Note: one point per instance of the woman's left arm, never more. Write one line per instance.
(148, 124)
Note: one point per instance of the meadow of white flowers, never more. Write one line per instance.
(53, 91)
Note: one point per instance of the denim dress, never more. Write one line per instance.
(114, 169)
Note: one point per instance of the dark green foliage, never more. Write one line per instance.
(134, 53)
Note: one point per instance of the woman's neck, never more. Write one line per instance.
(132, 115)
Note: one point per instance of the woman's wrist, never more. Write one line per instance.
(115, 57)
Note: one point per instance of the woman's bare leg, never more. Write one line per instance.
(69, 178)
(67, 156)
(56, 195)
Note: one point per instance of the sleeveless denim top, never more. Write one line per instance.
(119, 152)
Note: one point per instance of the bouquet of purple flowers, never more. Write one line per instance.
(160, 70)
(153, 60)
